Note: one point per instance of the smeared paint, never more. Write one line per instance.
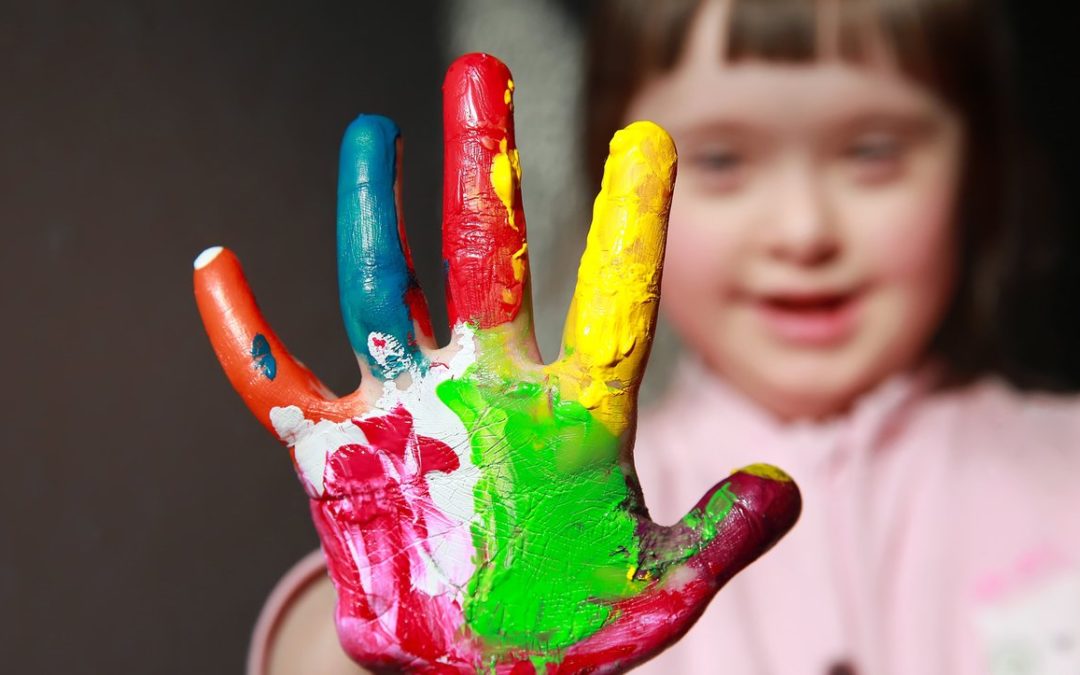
(549, 551)
(613, 310)
(434, 419)
(704, 521)
(505, 178)
(648, 622)
(392, 357)
(382, 533)
(313, 442)
(766, 471)
(263, 357)
(483, 221)
(379, 291)
(478, 510)
(554, 536)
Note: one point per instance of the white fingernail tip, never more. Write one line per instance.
(207, 257)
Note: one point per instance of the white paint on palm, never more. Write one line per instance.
(452, 493)
(444, 563)
(313, 442)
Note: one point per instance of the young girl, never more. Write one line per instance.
(832, 266)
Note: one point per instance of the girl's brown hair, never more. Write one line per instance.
(960, 49)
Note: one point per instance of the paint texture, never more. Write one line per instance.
(551, 496)
(378, 287)
(613, 311)
(479, 510)
(262, 357)
(483, 222)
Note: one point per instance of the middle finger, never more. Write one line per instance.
(484, 243)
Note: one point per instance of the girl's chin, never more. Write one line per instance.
(813, 388)
(793, 405)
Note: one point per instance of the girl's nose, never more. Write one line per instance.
(800, 226)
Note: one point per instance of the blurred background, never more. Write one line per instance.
(144, 514)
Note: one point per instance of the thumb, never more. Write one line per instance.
(733, 524)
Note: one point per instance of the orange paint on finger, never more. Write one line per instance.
(245, 344)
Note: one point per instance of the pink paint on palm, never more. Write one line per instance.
(378, 525)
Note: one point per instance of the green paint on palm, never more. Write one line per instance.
(555, 541)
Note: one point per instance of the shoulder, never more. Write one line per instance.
(295, 631)
(1017, 442)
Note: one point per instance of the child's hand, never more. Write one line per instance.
(479, 510)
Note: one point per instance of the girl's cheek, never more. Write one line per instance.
(915, 231)
(909, 236)
(700, 248)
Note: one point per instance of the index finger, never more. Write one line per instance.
(613, 313)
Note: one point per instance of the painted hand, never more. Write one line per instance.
(478, 509)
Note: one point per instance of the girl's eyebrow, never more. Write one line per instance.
(713, 128)
(914, 122)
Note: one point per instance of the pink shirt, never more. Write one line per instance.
(940, 532)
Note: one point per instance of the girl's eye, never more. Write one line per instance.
(719, 160)
(876, 158)
(717, 170)
(875, 149)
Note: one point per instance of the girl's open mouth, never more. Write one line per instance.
(817, 320)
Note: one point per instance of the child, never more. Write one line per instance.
(831, 240)
(829, 250)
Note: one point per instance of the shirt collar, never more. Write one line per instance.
(872, 419)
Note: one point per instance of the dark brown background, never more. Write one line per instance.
(145, 514)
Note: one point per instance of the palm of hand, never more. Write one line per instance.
(479, 509)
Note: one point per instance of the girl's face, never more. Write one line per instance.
(811, 244)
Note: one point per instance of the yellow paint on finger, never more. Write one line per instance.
(517, 261)
(505, 177)
(766, 471)
(613, 312)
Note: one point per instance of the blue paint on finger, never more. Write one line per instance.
(373, 275)
(263, 359)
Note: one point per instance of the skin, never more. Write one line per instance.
(828, 176)
(478, 509)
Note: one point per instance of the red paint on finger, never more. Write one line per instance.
(414, 296)
(647, 624)
(483, 222)
(418, 310)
